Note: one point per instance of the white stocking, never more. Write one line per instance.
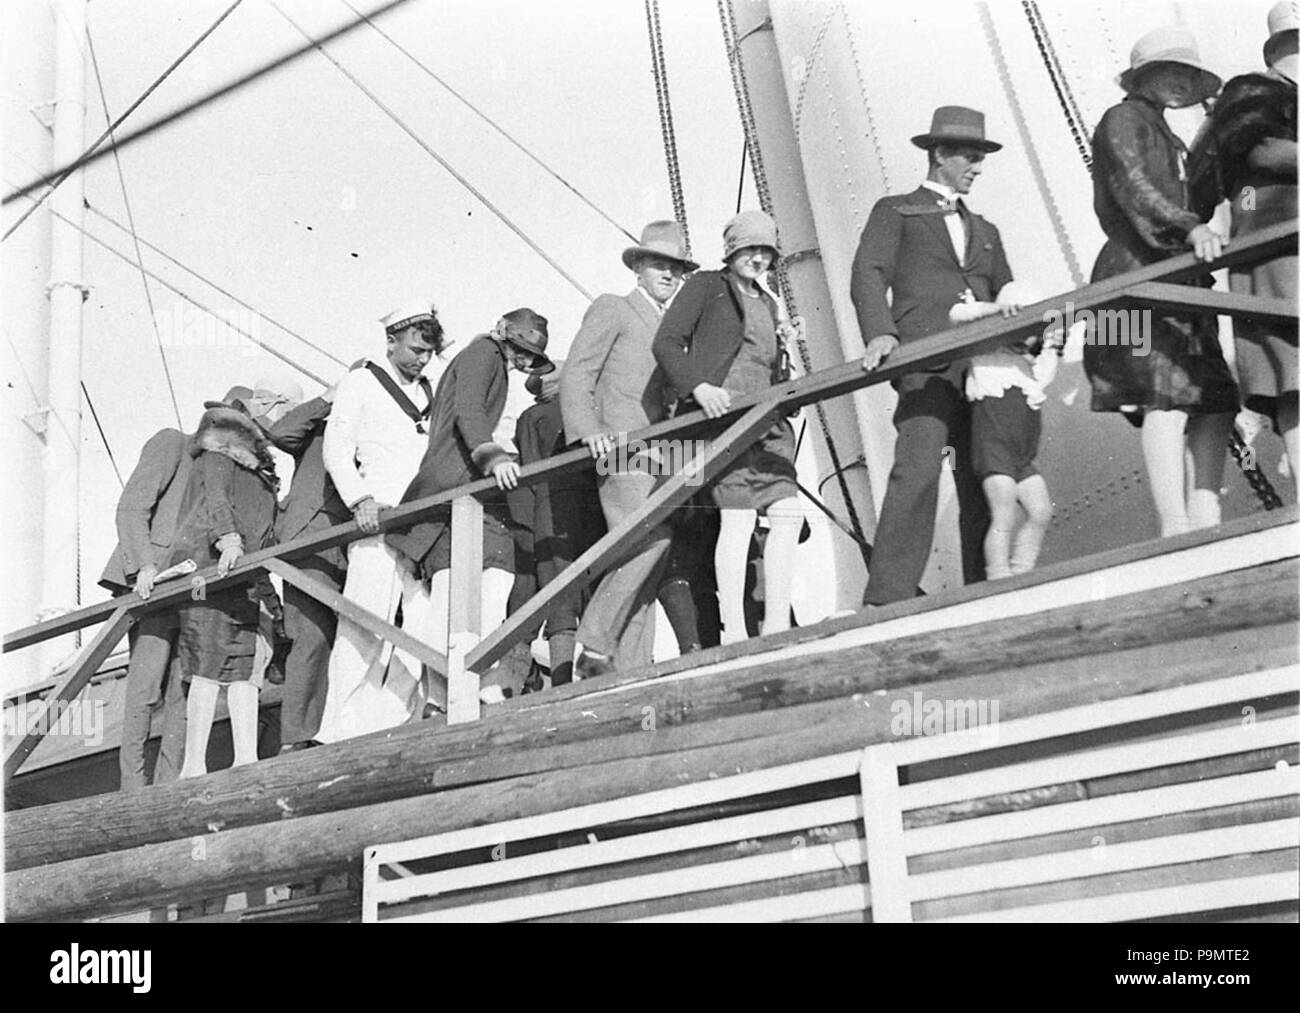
(730, 560)
(199, 712)
(786, 519)
(1163, 448)
(241, 698)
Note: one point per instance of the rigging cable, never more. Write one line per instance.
(212, 284)
(189, 299)
(126, 202)
(185, 110)
(98, 425)
(741, 86)
(489, 120)
(60, 176)
(482, 198)
(740, 187)
(659, 68)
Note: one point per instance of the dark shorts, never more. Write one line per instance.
(1004, 436)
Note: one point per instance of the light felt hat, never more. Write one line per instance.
(956, 125)
(282, 391)
(1282, 18)
(661, 239)
(1169, 45)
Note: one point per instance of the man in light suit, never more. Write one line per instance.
(610, 386)
(927, 249)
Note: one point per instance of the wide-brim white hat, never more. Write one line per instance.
(1170, 45)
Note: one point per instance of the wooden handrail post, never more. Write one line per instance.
(464, 608)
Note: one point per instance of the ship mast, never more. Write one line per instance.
(60, 572)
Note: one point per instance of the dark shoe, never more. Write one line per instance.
(297, 747)
(592, 664)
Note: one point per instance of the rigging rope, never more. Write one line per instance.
(188, 108)
(660, 70)
(488, 119)
(481, 197)
(61, 175)
(741, 86)
(126, 201)
(212, 284)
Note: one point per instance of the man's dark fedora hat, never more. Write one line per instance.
(956, 125)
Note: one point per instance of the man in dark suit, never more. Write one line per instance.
(927, 249)
(313, 504)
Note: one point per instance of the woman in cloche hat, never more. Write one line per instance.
(722, 339)
(1181, 393)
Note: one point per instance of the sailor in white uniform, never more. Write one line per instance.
(376, 437)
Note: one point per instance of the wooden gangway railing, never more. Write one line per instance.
(469, 652)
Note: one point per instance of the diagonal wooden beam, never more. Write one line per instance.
(69, 687)
(326, 595)
(1207, 300)
(967, 339)
(631, 532)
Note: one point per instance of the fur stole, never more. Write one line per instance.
(233, 434)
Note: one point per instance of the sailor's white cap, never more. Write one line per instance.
(416, 311)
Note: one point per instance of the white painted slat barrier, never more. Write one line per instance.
(498, 861)
(712, 867)
(1098, 870)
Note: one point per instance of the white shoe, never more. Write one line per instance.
(491, 695)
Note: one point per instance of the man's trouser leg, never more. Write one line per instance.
(353, 702)
(928, 406)
(972, 504)
(171, 739)
(623, 606)
(311, 626)
(151, 641)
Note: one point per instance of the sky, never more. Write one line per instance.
(303, 198)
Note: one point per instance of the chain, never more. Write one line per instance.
(741, 86)
(1254, 475)
(1073, 118)
(660, 71)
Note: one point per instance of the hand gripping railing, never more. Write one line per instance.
(471, 653)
